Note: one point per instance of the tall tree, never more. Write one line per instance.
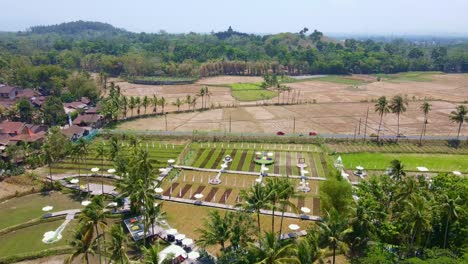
(145, 103)
(132, 104)
(398, 106)
(425, 107)
(215, 230)
(333, 230)
(188, 101)
(450, 211)
(271, 250)
(381, 107)
(459, 116)
(118, 245)
(155, 103)
(256, 198)
(162, 103)
(178, 103)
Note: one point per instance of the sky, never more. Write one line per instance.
(385, 17)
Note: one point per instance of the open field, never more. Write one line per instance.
(381, 161)
(29, 239)
(251, 92)
(401, 147)
(19, 210)
(337, 118)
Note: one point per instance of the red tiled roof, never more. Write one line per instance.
(73, 130)
(9, 127)
(87, 119)
(27, 93)
(28, 136)
(6, 88)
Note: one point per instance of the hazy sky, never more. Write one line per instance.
(256, 16)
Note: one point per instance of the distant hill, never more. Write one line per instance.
(76, 27)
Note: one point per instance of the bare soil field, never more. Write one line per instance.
(218, 80)
(339, 118)
(448, 87)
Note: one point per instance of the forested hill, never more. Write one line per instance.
(100, 47)
(75, 27)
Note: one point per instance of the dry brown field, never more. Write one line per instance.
(338, 109)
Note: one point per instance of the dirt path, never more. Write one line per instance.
(217, 162)
(312, 169)
(316, 206)
(225, 196)
(288, 163)
(198, 190)
(184, 190)
(276, 168)
(242, 160)
(207, 158)
(211, 194)
(168, 190)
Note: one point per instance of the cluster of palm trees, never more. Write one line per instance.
(411, 214)
(137, 183)
(398, 105)
(117, 106)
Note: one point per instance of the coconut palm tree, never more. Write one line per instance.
(256, 198)
(207, 94)
(215, 230)
(153, 212)
(417, 216)
(155, 103)
(450, 209)
(188, 101)
(398, 106)
(178, 103)
(425, 107)
(82, 243)
(396, 170)
(138, 104)
(333, 229)
(114, 148)
(286, 192)
(194, 103)
(162, 103)
(82, 150)
(118, 245)
(459, 116)
(271, 250)
(145, 103)
(381, 107)
(151, 254)
(124, 105)
(94, 217)
(101, 153)
(132, 104)
(201, 93)
(308, 250)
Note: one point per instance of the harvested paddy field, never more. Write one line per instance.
(336, 118)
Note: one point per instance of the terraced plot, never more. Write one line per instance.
(285, 161)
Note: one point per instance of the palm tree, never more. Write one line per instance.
(459, 116)
(153, 213)
(162, 103)
(208, 94)
(308, 250)
(151, 255)
(145, 103)
(202, 95)
(118, 244)
(256, 198)
(94, 217)
(101, 153)
(396, 170)
(194, 103)
(82, 243)
(417, 216)
(132, 104)
(124, 105)
(138, 104)
(398, 106)
(426, 107)
(286, 192)
(49, 158)
(114, 148)
(155, 103)
(216, 230)
(178, 103)
(381, 107)
(450, 209)
(334, 229)
(271, 250)
(82, 150)
(188, 101)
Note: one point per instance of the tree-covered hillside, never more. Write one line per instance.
(99, 47)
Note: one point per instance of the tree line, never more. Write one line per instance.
(102, 48)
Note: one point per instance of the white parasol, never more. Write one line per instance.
(171, 231)
(74, 181)
(294, 227)
(112, 204)
(111, 171)
(198, 196)
(170, 161)
(94, 169)
(359, 168)
(85, 203)
(158, 190)
(305, 210)
(193, 255)
(187, 242)
(179, 236)
(457, 173)
(47, 208)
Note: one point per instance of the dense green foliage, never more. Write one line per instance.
(99, 47)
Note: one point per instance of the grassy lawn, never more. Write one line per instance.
(408, 76)
(401, 147)
(339, 79)
(23, 209)
(30, 239)
(381, 161)
(251, 92)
